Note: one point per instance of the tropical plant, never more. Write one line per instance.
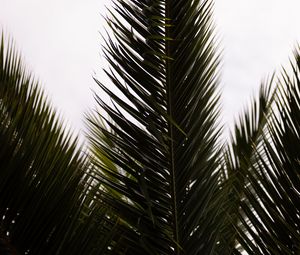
(156, 178)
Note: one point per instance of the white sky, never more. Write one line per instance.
(61, 45)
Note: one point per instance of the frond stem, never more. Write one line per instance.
(169, 85)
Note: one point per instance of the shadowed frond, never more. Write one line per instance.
(239, 157)
(162, 129)
(47, 205)
(270, 209)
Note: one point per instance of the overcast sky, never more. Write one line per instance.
(61, 44)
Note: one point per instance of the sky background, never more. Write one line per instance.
(61, 44)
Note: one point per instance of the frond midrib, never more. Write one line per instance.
(169, 86)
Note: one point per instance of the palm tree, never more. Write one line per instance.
(156, 178)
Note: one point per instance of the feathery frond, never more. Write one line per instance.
(239, 157)
(164, 126)
(270, 210)
(45, 196)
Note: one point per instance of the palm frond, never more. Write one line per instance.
(270, 210)
(163, 127)
(239, 156)
(46, 201)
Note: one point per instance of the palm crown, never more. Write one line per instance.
(156, 178)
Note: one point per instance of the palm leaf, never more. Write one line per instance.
(239, 157)
(162, 127)
(271, 205)
(47, 204)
